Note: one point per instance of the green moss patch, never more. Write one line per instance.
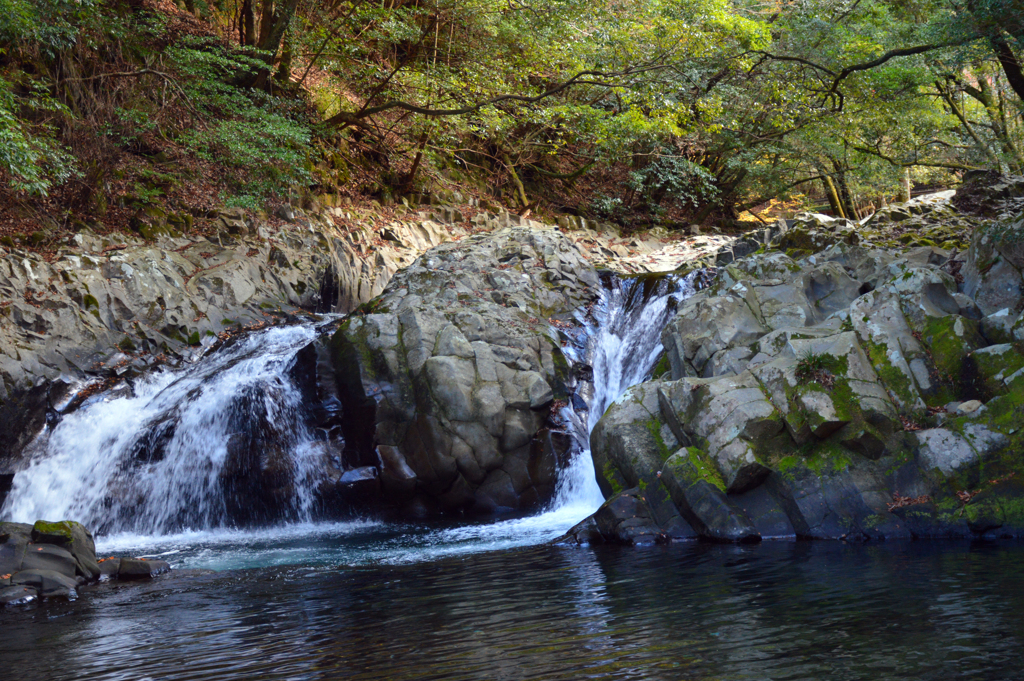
(691, 464)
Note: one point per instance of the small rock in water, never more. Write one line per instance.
(109, 568)
(138, 568)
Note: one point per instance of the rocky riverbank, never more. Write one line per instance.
(54, 559)
(836, 380)
(101, 311)
(859, 392)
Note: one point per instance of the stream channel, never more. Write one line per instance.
(464, 599)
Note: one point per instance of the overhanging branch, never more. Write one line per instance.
(588, 77)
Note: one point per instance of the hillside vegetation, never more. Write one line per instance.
(147, 116)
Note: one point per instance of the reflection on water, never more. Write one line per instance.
(774, 611)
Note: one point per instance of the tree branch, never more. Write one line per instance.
(581, 78)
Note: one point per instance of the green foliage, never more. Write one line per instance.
(816, 367)
(48, 26)
(30, 158)
(705, 107)
(241, 128)
(675, 177)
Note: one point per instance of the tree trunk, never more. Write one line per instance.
(266, 21)
(408, 182)
(281, 19)
(247, 24)
(284, 69)
(272, 30)
(515, 179)
(1010, 63)
(843, 191)
(905, 186)
(832, 196)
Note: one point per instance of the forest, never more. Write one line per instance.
(643, 113)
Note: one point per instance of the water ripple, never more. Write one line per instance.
(776, 611)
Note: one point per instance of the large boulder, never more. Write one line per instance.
(853, 393)
(74, 538)
(992, 273)
(449, 376)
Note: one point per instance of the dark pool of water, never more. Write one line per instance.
(774, 611)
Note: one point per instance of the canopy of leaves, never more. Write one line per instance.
(657, 111)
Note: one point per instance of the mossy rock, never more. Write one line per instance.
(951, 340)
(995, 364)
(48, 532)
(662, 369)
(691, 464)
(998, 509)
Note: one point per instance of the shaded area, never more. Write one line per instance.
(772, 611)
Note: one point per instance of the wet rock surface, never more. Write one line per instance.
(626, 519)
(55, 559)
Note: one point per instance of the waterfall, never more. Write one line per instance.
(227, 441)
(162, 459)
(620, 343)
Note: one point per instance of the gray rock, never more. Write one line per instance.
(47, 582)
(627, 519)
(989, 277)
(944, 450)
(998, 326)
(453, 406)
(74, 538)
(12, 550)
(133, 568)
(48, 557)
(706, 325)
(109, 567)
(710, 512)
(17, 595)
(968, 407)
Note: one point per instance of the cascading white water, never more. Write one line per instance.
(98, 463)
(623, 343)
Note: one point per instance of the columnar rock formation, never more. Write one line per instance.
(52, 560)
(858, 392)
(448, 379)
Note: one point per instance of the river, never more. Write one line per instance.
(369, 598)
